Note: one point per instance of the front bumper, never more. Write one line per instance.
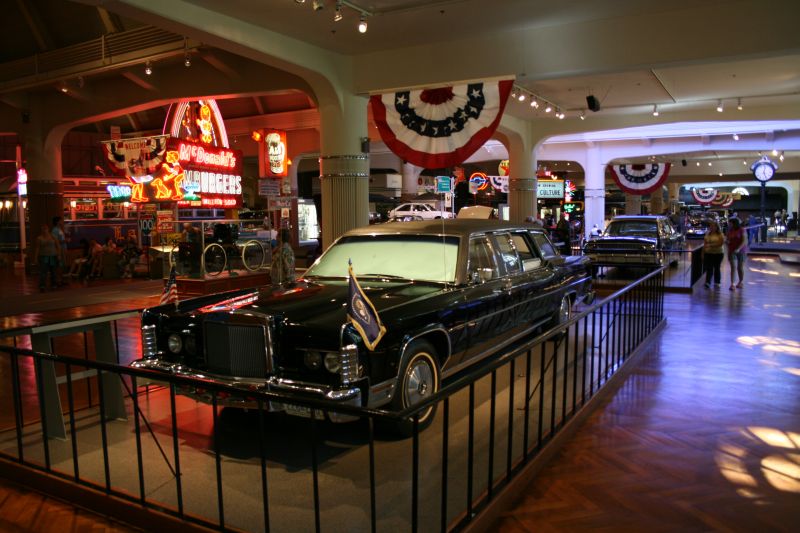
(345, 396)
(629, 258)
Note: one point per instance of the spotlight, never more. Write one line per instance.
(720, 173)
(187, 61)
(744, 162)
(560, 114)
(698, 163)
(780, 157)
(300, 1)
(655, 110)
(774, 152)
(582, 115)
(318, 5)
(548, 108)
(534, 102)
(513, 93)
(337, 16)
(148, 68)
(739, 104)
(709, 163)
(735, 136)
(720, 109)
(256, 135)
(521, 97)
(362, 24)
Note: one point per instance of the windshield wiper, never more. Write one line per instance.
(387, 276)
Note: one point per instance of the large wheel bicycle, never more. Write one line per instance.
(253, 255)
(214, 259)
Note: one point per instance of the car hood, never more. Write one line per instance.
(608, 240)
(314, 311)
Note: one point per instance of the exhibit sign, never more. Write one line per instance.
(22, 182)
(277, 163)
(550, 189)
(269, 187)
(210, 174)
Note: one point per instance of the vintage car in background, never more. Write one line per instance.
(636, 240)
(449, 293)
(421, 209)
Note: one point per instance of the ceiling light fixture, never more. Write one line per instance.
(187, 61)
(744, 161)
(780, 157)
(362, 24)
(720, 109)
(337, 15)
(148, 68)
(655, 110)
(709, 163)
(582, 116)
(560, 114)
(534, 103)
(521, 97)
(318, 5)
(548, 108)
(774, 152)
(739, 104)
(735, 136)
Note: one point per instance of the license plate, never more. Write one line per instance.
(296, 410)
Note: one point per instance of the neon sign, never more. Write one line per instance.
(480, 180)
(22, 182)
(210, 174)
(277, 156)
(119, 193)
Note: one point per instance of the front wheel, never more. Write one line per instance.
(419, 379)
(253, 255)
(214, 259)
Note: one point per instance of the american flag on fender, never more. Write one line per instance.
(170, 293)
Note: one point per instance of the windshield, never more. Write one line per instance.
(418, 257)
(632, 227)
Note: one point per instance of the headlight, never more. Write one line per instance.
(174, 343)
(313, 360)
(333, 363)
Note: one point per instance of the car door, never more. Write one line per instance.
(534, 287)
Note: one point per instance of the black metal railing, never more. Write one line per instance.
(260, 471)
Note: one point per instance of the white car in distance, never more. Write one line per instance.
(419, 209)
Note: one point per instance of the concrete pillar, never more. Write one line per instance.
(657, 201)
(633, 204)
(41, 152)
(344, 169)
(674, 191)
(594, 190)
(521, 180)
(411, 174)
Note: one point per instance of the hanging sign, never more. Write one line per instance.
(22, 182)
(443, 126)
(640, 179)
(444, 184)
(276, 153)
(550, 189)
(502, 168)
(268, 187)
(276, 203)
(211, 173)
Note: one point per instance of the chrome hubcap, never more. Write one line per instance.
(419, 383)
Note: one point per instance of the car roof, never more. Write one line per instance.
(463, 227)
(637, 217)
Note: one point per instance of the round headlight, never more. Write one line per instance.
(313, 360)
(174, 343)
(332, 362)
(190, 345)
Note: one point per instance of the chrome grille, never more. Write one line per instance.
(149, 347)
(236, 350)
(349, 361)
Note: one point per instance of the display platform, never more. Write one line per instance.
(224, 282)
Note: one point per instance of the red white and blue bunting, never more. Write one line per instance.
(442, 127)
(640, 179)
(704, 196)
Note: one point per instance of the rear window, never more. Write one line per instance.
(621, 228)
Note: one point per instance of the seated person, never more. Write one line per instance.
(77, 264)
(128, 257)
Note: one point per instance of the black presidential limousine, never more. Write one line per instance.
(449, 293)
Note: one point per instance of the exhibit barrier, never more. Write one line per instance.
(684, 267)
(261, 471)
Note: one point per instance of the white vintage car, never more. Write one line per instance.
(418, 209)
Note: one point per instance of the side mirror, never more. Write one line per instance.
(481, 275)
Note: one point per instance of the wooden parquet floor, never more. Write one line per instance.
(23, 510)
(703, 436)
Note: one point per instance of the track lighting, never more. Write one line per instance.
(780, 157)
(513, 93)
(739, 104)
(720, 109)
(534, 102)
(337, 15)
(148, 68)
(548, 108)
(582, 115)
(774, 152)
(655, 110)
(560, 114)
(521, 97)
(318, 5)
(362, 24)
(709, 163)
(698, 163)
(735, 136)
(187, 61)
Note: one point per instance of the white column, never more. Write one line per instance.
(657, 201)
(521, 180)
(344, 169)
(594, 190)
(411, 174)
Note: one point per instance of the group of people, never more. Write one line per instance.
(50, 254)
(714, 247)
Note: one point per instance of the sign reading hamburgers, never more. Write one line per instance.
(212, 173)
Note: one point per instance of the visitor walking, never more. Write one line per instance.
(282, 266)
(736, 252)
(712, 253)
(61, 237)
(46, 254)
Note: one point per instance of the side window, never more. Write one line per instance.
(545, 246)
(508, 253)
(481, 260)
(527, 255)
(404, 208)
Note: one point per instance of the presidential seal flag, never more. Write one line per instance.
(362, 314)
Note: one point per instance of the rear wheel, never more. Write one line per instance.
(253, 255)
(419, 379)
(214, 259)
